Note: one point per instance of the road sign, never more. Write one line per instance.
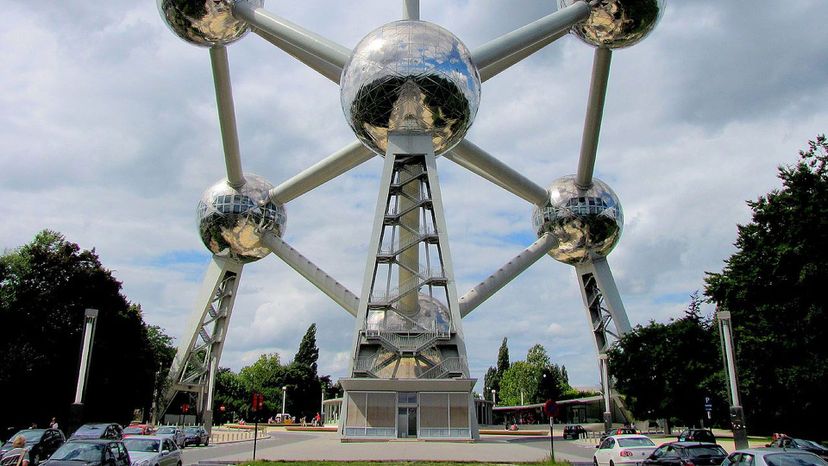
(550, 408)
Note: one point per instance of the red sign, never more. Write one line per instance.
(258, 402)
(185, 408)
(550, 408)
(222, 408)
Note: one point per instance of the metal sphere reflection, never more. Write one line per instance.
(410, 76)
(617, 23)
(204, 22)
(231, 221)
(431, 315)
(586, 222)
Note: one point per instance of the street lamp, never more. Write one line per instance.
(494, 397)
(284, 397)
(737, 414)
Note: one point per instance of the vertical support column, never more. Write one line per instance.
(607, 317)
(197, 359)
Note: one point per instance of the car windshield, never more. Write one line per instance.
(809, 443)
(133, 430)
(93, 429)
(77, 451)
(635, 442)
(31, 435)
(794, 459)
(191, 430)
(166, 430)
(142, 444)
(706, 450)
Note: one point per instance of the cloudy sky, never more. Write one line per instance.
(109, 135)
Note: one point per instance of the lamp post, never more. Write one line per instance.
(284, 397)
(90, 318)
(494, 397)
(737, 414)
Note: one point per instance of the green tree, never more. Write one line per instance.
(502, 358)
(308, 353)
(265, 376)
(45, 286)
(302, 378)
(163, 352)
(666, 370)
(772, 287)
(230, 392)
(520, 380)
(490, 382)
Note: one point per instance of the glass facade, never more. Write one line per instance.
(425, 415)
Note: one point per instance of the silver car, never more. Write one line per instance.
(772, 457)
(173, 432)
(153, 450)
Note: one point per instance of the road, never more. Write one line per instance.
(327, 446)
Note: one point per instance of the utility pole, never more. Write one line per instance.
(90, 319)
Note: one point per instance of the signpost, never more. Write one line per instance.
(256, 405)
(708, 406)
(550, 408)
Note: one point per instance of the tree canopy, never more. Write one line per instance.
(771, 286)
(45, 287)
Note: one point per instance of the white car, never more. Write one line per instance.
(628, 450)
(154, 450)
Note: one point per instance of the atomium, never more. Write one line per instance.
(431, 314)
(617, 23)
(410, 76)
(203, 22)
(231, 221)
(587, 223)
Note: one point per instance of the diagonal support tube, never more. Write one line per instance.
(478, 161)
(328, 70)
(411, 9)
(526, 40)
(323, 171)
(309, 47)
(594, 114)
(480, 293)
(312, 273)
(227, 115)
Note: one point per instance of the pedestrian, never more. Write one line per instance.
(54, 423)
(316, 419)
(18, 455)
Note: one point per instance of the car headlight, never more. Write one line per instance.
(144, 462)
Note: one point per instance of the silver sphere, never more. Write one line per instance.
(410, 76)
(431, 315)
(586, 223)
(617, 23)
(204, 22)
(231, 221)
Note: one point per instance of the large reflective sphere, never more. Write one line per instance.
(231, 222)
(410, 76)
(617, 23)
(431, 314)
(586, 223)
(204, 22)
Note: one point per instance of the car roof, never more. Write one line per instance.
(691, 443)
(766, 451)
(149, 437)
(94, 440)
(629, 436)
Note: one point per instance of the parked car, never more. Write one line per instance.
(153, 450)
(90, 452)
(773, 457)
(40, 443)
(800, 444)
(697, 435)
(619, 431)
(173, 432)
(573, 432)
(138, 429)
(687, 454)
(196, 435)
(623, 449)
(110, 431)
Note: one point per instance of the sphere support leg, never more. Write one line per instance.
(194, 368)
(607, 318)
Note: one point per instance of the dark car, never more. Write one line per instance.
(110, 431)
(90, 452)
(574, 432)
(800, 444)
(697, 435)
(196, 435)
(40, 443)
(687, 454)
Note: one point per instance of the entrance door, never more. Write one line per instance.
(412, 422)
(402, 422)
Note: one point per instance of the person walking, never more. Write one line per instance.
(18, 455)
